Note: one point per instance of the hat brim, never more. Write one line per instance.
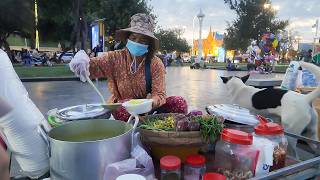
(122, 35)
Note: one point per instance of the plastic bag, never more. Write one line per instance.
(290, 78)
(265, 159)
(308, 79)
(80, 65)
(20, 126)
(139, 163)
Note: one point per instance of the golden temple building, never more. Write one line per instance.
(210, 45)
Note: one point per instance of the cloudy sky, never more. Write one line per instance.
(302, 14)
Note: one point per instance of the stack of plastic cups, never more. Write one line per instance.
(27, 146)
(20, 128)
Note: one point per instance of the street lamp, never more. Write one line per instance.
(266, 5)
(298, 38)
(200, 17)
(36, 23)
(316, 26)
(276, 8)
(271, 7)
(194, 17)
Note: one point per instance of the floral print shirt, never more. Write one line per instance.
(115, 66)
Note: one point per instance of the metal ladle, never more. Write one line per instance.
(110, 106)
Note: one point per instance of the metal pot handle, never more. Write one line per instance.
(44, 134)
(136, 121)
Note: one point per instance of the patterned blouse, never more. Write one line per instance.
(115, 66)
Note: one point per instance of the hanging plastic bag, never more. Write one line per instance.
(290, 78)
(139, 163)
(20, 126)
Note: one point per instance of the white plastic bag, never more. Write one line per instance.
(20, 127)
(139, 163)
(80, 65)
(265, 159)
(290, 78)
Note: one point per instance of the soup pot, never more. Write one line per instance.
(82, 149)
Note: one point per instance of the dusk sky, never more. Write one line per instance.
(302, 14)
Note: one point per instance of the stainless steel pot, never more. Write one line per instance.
(83, 149)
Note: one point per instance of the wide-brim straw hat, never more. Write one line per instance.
(142, 24)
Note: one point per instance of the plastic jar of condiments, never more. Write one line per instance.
(194, 167)
(235, 157)
(275, 133)
(170, 168)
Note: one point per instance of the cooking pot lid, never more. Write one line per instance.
(83, 111)
(233, 113)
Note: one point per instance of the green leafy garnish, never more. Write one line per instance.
(210, 127)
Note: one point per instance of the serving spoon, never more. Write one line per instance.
(110, 106)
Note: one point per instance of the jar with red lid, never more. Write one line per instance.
(170, 168)
(195, 167)
(213, 176)
(274, 133)
(235, 157)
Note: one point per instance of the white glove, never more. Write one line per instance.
(80, 65)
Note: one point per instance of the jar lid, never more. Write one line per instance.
(170, 163)
(196, 160)
(268, 128)
(131, 177)
(213, 176)
(236, 136)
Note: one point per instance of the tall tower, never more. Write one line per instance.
(200, 17)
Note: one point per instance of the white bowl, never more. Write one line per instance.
(140, 108)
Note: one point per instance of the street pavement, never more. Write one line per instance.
(199, 87)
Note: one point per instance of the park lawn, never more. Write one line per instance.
(33, 72)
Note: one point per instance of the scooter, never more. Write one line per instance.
(43, 60)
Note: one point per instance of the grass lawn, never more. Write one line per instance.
(62, 70)
(54, 71)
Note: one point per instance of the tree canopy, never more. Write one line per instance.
(16, 17)
(170, 40)
(253, 19)
(66, 20)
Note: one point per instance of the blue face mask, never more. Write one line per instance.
(136, 49)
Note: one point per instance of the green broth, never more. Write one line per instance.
(89, 131)
(91, 136)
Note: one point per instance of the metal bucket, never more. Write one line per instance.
(83, 149)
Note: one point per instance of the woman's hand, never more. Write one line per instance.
(4, 164)
(80, 65)
(149, 96)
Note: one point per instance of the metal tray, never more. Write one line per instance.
(84, 111)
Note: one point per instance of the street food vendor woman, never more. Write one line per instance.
(133, 72)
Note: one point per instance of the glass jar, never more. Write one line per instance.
(274, 133)
(235, 156)
(194, 167)
(170, 168)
